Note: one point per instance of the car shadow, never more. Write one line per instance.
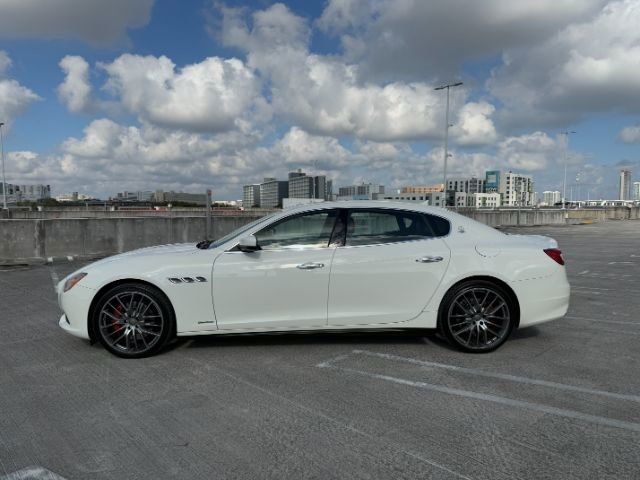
(524, 333)
(300, 338)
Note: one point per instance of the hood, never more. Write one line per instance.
(172, 249)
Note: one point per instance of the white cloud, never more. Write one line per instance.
(302, 150)
(529, 152)
(474, 126)
(590, 66)
(75, 90)
(211, 96)
(630, 134)
(94, 21)
(326, 96)
(414, 38)
(14, 98)
(5, 62)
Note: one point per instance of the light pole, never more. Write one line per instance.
(4, 180)
(446, 136)
(564, 183)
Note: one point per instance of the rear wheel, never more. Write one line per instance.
(133, 320)
(477, 316)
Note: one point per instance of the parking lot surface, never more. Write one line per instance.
(561, 400)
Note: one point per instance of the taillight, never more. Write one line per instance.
(555, 254)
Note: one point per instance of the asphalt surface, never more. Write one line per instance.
(561, 400)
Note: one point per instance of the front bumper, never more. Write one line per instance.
(75, 304)
(66, 326)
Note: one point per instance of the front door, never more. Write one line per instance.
(389, 268)
(282, 285)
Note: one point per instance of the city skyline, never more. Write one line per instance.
(239, 94)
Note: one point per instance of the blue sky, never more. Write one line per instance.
(193, 94)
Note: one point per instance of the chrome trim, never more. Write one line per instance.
(310, 265)
(175, 280)
(428, 259)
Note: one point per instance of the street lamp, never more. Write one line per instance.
(564, 183)
(446, 136)
(4, 180)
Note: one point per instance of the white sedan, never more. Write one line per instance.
(320, 267)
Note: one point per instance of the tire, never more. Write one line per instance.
(477, 316)
(133, 320)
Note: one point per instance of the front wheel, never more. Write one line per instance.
(133, 320)
(477, 316)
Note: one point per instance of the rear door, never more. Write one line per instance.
(388, 268)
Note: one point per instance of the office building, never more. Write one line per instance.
(625, 185)
(364, 191)
(272, 192)
(487, 200)
(551, 197)
(636, 191)
(251, 196)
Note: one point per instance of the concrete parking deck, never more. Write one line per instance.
(561, 400)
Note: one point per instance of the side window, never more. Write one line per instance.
(370, 227)
(439, 225)
(301, 231)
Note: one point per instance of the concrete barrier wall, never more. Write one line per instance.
(36, 240)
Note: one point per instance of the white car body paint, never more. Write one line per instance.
(367, 286)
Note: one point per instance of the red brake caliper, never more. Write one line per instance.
(117, 313)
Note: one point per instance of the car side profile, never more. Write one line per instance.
(324, 267)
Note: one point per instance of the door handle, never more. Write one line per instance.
(429, 259)
(310, 265)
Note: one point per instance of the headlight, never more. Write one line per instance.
(73, 280)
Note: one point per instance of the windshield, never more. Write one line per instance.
(240, 231)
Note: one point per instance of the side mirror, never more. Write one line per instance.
(248, 244)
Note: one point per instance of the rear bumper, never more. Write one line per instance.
(543, 299)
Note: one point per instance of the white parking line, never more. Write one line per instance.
(537, 407)
(573, 317)
(54, 277)
(501, 376)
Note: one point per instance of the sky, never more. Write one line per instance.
(100, 97)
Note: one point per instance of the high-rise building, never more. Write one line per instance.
(25, 193)
(302, 185)
(272, 192)
(251, 196)
(364, 191)
(625, 185)
(492, 181)
(551, 197)
(514, 188)
(636, 190)
(469, 185)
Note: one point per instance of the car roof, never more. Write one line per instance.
(418, 207)
(455, 218)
